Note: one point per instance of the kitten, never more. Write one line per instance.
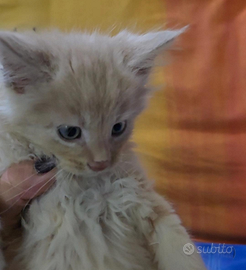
(74, 98)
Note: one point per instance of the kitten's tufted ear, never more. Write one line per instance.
(22, 62)
(142, 49)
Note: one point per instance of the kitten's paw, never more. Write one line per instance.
(174, 250)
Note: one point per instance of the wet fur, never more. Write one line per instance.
(112, 220)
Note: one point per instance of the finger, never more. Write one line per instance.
(22, 181)
(40, 184)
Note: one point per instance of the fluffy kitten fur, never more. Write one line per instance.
(112, 220)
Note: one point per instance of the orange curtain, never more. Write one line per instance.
(203, 164)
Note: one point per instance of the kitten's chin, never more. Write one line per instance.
(85, 172)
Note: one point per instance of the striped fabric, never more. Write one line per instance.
(197, 146)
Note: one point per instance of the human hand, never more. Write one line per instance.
(19, 184)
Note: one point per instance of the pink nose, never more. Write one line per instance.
(98, 165)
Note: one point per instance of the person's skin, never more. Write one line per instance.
(19, 184)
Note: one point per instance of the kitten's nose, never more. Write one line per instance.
(98, 165)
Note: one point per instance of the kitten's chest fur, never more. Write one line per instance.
(94, 224)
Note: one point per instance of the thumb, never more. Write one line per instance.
(21, 181)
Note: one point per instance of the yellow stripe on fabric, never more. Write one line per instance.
(24, 14)
(86, 14)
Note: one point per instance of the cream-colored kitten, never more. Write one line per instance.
(74, 98)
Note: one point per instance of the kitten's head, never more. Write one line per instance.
(76, 96)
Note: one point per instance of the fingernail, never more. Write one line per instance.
(44, 164)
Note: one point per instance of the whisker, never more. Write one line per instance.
(23, 211)
(40, 189)
(71, 178)
(20, 183)
(23, 193)
(129, 171)
(6, 210)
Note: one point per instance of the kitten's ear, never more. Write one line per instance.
(22, 63)
(143, 49)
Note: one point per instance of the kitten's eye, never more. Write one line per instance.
(69, 132)
(118, 128)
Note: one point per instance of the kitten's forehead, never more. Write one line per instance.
(77, 74)
(95, 86)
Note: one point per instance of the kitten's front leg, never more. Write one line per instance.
(168, 240)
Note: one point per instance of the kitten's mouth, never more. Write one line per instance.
(45, 164)
(84, 169)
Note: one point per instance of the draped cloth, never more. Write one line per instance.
(196, 148)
